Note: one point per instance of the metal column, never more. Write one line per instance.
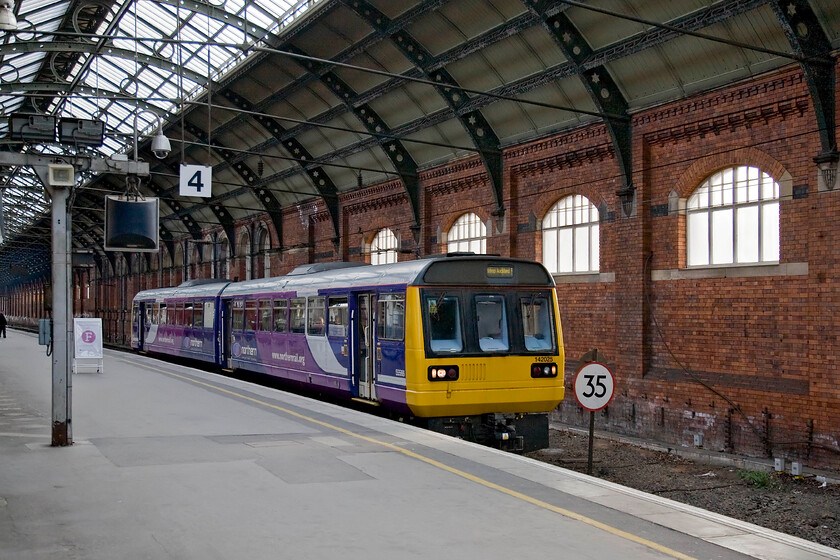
(62, 302)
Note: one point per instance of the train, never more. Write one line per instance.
(467, 345)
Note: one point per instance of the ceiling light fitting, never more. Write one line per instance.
(8, 21)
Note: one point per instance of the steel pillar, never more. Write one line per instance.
(62, 312)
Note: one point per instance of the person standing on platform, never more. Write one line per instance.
(2, 324)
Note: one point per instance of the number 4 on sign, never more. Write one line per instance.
(196, 180)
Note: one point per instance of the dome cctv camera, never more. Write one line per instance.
(161, 146)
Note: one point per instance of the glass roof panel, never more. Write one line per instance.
(124, 85)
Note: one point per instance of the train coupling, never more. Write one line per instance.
(504, 433)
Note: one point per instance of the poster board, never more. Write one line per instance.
(87, 335)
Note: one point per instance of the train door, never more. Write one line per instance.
(363, 359)
(138, 329)
(226, 324)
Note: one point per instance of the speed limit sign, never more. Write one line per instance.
(594, 386)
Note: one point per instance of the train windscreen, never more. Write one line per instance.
(478, 321)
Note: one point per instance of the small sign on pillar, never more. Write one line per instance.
(88, 345)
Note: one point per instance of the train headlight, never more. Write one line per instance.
(443, 373)
(543, 370)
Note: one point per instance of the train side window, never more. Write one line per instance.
(238, 315)
(316, 322)
(391, 316)
(280, 320)
(209, 314)
(339, 317)
(536, 323)
(250, 315)
(188, 313)
(163, 316)
(491, 321)
(297, 311)
(198, 314)
(179, 314)
(444, 317)
(265, 315)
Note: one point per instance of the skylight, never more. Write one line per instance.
(148, 57)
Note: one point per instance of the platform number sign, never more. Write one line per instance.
(594, 386)
(196, 180)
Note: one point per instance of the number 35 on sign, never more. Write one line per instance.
(196, 180)
(594, 386)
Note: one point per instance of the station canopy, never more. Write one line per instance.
(294, 103)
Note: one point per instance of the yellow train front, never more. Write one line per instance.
(484, 350)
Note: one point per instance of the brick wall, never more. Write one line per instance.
(747, 359)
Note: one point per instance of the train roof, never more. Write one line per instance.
(438, 270)
(189, 289)
(453, 269)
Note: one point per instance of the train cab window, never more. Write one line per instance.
(339, 317)
(265, 315)
(209, 314)
(198, 315)
(250, 315)
(491, 321)
(316, 324)
(536, 323)
(444, 317)
(391, 316)
(297, 315)
(280, 319)
(238, 315)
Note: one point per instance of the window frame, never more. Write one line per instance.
(280, 312)
(706, 202)
(467, 223)
(504, 330)
(315, 309)
(385, 306)
(571, 210)
(460, 330)
(384, 248)
(338, 316)
(237, 320)
(198, 314)
(250, 324)
(264, 305)
(297, 315)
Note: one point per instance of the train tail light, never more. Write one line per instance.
(443, 373)
(544, 370)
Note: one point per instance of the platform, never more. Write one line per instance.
(174, 462)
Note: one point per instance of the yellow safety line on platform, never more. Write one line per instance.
(545, 505)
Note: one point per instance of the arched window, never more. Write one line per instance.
(223, 254)
(243, 249)
(468, 233)
(262, 260)
(178, 265)
(166, 265)
(733, 218)
(383, 248)
(571, 241)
